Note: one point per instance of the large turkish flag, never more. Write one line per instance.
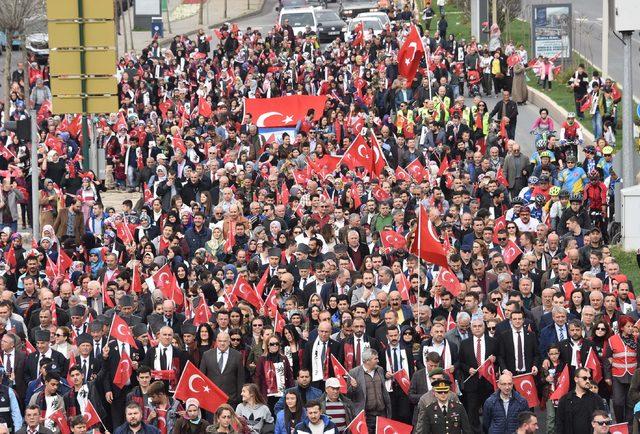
(283, 111)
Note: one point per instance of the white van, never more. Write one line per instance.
(299, 19)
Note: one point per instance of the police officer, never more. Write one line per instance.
(445, 416)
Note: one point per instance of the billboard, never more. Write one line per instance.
(551, 30)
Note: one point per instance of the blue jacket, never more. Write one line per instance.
(311, 394)
(303, 427)
(196, 240)
(494, 420)
(146, 429)
(548, 336)
(281, 427)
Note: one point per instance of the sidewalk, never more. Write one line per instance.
(183, 19)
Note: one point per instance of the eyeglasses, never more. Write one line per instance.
(274, 344)
(502, 239)
(603, 422)
(585, 378)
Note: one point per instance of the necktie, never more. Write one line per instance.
(163, 359)
(323, 355)
(395, 360)
(304, 282)
(358, 352)
(84, 370)
(520, 353)
(9, 365)
(123, 350)
(444, 409)
(562, 333)
(478, 351)
(97, 354)
(220, 361)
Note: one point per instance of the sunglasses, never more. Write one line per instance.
(236, 339)
(585, 378)
(442, 392)
(60, 335)
(502, 239)
(491, 328)
(496, 299)
(274, 344)
(603, 422)
(602, 329)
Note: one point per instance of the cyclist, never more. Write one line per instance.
(605, 164)
(590, 160)
(525, 193)
(576, 210)
(595, 200)
(516, 204)
(537, 207)
(535, 159)
(573, 177)
(547, 160)
(554, 208)
(571, 134)
(543, 126)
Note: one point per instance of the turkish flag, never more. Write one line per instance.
(243, 289)
(403, 286)
(593, 363)
(358, 425)
(178, 143)
(262, 283)
(283, 196)
(327, 164)
(340, 373)
(357, 201)
(392, 240)
(136, 281)
(417, 171)
(379, 160)
(449, 280)
(60, 418)
(204, 108)
(124, 232)
(202, 313)
(500, 178)
(91, 415)
(284, 111)
(402, 378)
(165, 280)
(402, 175)
(426, 243)
(563, 384)
(124, 371)
(619, 428)
(487, 371)
(444, 165)
(568, 288)
(271, 303)
(380, 195)
(231, 237)
(358, 155)
(28, 347)
(121, 331)
(72, 362)
(525, 385)
(64, 261)
(451, 322)
(279, 322)
(108, 301)
(511, 252)
(161, 419)
(383, 424)
(7, 154)
(10, 257)
(194, 384)
(54, 313)
(512, 61)
(498, 224)
(410, 55)
(51, 269)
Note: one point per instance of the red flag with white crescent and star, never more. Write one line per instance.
(392, 240)
(487, 371)
(121, 331)
(402, 378)
(511, 252)
(244, 290)
(593, 363)
(449, 280)
(194, 384)
(59, 417)
(404, 286)
(358, 154)
(340, 373)
(202, 313)
(426, 243)
(91, 415)
(124, 371)
(410, 55)
(525, 385)
(358, 425)
(383, 424)
(284, 111)
(563, 384)
(168, 284)
(619, 428)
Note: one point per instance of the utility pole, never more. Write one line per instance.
(605, 38)
(35, 174)
(494, 12)
(628, 151)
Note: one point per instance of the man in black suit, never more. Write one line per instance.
(399, 358)
(317, 355)
(438, 343)
(14, 364)
(165, 359)
(339, 286)
(476, 389)
(43, 349)
(88, 363)
(114, 395)
(169, 318)
(507, 108)
(46, 301)
(575, 349)
(98, 339)
(356, 343)
(518, 347)
(315, 286)
(224, 366)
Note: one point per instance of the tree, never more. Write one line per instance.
(16, 16)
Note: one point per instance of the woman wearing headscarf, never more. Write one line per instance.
(87, 195)
(48, 203)
(96, 262)
(192, 422)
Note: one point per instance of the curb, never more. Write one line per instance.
(557, 112)
(248, 14)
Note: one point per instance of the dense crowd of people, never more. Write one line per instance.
(290, 269)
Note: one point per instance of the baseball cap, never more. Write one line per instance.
(332, 382)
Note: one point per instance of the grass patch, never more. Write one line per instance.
(628, 265)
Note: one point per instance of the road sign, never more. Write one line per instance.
(93, 85)
(68, 10)
(68, 62)
(94, 104)
(66, 34)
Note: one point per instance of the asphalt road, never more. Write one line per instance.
(587, 38)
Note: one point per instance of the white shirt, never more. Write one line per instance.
(482, 348)
(156, 362)
(317, 370)
(9, 357)
(225, 358)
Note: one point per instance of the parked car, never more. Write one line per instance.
(300, 18)
(330, 26)
(369, 24)
(38, 45)
(382, 16)
(351, 8)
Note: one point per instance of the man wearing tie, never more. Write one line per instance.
(518, 348)
(398, 358)
(78, 324)
(575, 349)
(473, 352)
(223, 366)
(43, 349)
(317, 355)
(14, 364)
(88, 363)
(556, 331)
(98, 339)
(354, 345)
(165, 359)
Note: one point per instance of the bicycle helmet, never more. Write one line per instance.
(540, 144)
(554, 191)
(576, 197)
(571, 115)
(516, 201)
(533, 180)
(540, 199)
(594, 175)
(545, 154)
(564, 194)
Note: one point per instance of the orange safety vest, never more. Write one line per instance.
(624, 359)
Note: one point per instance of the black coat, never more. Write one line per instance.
(110, 366)
(507, 353)
(467, 359)
(31, 370)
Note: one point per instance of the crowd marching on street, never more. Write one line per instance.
(335, 238)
